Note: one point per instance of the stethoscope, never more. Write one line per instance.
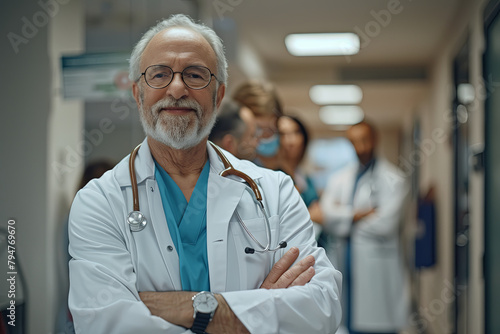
(137, 221)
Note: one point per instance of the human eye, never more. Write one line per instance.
(196, 73)
(159, 73)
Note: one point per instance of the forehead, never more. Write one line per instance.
(359, 131)
(287, 124)
(178, 46)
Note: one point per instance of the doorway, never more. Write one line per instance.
(461, 185)
(491, 76)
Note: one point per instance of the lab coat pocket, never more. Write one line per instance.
(253, 268)
(256, 227)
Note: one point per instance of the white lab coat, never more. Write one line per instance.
(111, 265)
(378, 285)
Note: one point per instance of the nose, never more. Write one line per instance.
(177, 88)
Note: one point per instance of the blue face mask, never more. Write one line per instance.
(268, 146)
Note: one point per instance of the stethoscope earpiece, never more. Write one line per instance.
(250, 250)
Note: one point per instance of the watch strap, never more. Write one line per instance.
(200, 322)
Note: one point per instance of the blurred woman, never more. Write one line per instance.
(261, 98)
(293, 140)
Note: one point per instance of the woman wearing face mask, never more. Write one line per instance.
(293, 140)
(262, 100)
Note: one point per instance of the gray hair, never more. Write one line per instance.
(179, 20)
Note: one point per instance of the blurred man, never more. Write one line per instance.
(235, 130)
(363, 207)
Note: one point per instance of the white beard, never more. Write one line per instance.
(177, 131)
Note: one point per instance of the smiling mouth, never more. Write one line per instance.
(177, 110)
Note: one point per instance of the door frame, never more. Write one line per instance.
(491, 15)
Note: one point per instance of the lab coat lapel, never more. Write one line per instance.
(163, 238)
(223, 197)
(144, 171)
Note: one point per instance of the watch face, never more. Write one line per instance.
(205, 303)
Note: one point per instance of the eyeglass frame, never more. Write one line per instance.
(182, 76)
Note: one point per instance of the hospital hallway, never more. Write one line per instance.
(425, 73)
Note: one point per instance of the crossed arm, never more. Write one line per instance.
(104, 281)
(176, 307)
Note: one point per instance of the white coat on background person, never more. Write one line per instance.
(379, 298)
(111, 264)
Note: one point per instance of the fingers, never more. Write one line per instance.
(284, 275)
(304, 278)
(281, 267)
(298, 272)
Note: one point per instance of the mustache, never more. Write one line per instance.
(170, 102)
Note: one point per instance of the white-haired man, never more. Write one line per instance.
(184, 267)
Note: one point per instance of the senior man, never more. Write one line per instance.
(198, 253)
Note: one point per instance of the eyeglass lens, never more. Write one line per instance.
(196, 77)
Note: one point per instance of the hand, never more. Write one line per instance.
(316, 213)
(283, 276)
(358, 215)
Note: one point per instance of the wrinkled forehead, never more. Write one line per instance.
(179, 43)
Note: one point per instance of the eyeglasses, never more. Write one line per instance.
(160, 76)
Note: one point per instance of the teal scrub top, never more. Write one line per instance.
(309, 194)
(187, 223)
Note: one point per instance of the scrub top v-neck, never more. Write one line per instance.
(187, 223)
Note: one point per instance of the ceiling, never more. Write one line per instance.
(406, 34)
(399, 40)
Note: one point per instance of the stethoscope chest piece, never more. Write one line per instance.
(136, 221)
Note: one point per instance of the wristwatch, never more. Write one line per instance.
(204, 305)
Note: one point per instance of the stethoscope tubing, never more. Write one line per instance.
(137, 221)
(268, 230)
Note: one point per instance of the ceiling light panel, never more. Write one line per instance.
(322, 44)
(341, 115)
(336, 94)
